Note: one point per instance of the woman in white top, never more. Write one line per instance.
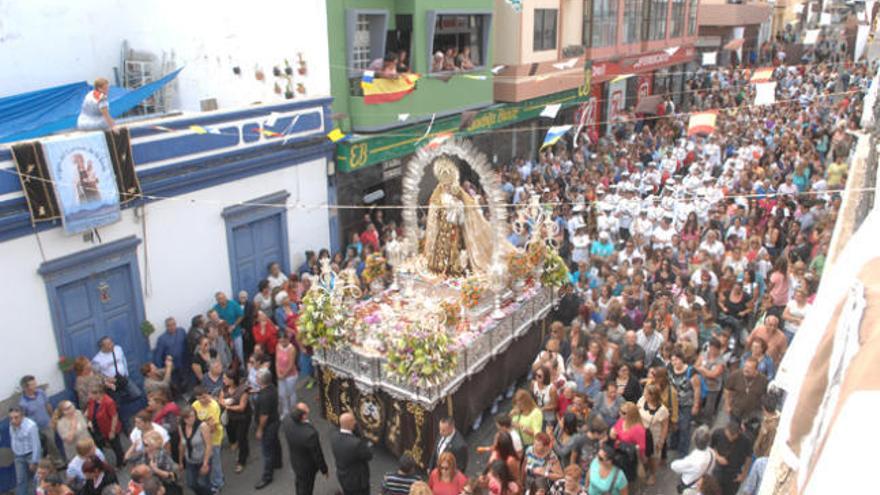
(95, 111)
(655, 418)
(71, 426)
(276, 277)
(700, 461)
(143, 424)
(794, 313)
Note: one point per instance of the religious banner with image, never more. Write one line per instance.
(85, 184)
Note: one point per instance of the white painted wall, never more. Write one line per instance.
(186, 240)
(46, 43)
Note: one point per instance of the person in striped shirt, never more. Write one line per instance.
(400, 481)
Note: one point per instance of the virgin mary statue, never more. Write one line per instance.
(458, 237)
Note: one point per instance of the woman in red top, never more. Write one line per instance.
(265, 333)
(446, 479)
(104, 422)
(629, 428)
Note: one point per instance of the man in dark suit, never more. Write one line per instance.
(450, 440)
(352, 454)
(306, 456)
(268, 423)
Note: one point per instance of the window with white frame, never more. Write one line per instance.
(545, 29)
(360, 43)
(601, 17)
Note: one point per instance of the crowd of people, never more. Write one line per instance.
(692, 264)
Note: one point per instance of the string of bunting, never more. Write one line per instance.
(548, 204)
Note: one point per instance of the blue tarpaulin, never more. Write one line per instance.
(40, 113)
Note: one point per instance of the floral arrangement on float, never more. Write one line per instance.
(320, 320)
(518, 265)
(472, 289)
(374, 268)
(452, 312)
(554, 273)
(420, 355)
(535, 252)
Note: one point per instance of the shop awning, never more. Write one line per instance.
(649, 104)
(734, 44)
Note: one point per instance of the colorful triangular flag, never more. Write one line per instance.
(765, 93)
(568, 64)
(368, 76)
(550, 111)
(762, 75)
(497, 69)
(702, 123)
(336, 135)
(554, 134)
(438, 140)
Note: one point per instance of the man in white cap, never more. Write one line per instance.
(669, 164)
(651, 178)
(692, 181)
(642, 228)
(576, 219)
(606, 221)
(627, 208)
(655, 210)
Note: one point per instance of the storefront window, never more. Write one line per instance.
(601, 15)
(692, 17)
(677, 20)
(632, 19)
(657, 19)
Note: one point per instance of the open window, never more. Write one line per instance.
(365, 30)
(457, 41)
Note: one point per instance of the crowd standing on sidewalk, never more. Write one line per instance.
(692, 260)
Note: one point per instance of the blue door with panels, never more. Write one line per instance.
(256, 237)
(100, 304)
(96, 293)
(256, 245)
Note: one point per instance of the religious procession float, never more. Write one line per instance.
(460, 320)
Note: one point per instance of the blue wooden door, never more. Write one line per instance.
(256, 245)
(103, 303)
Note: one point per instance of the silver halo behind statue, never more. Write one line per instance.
(466, 152)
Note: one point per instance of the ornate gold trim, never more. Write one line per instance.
(419, 416)
(327, 377)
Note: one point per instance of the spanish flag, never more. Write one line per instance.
(762, 75)
(388, 90)
(702, 123)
